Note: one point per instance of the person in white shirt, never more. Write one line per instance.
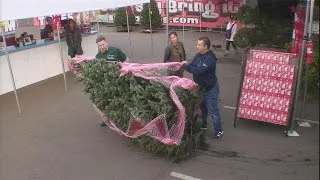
(230, 34)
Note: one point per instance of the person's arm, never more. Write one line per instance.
(234, 31)
(97, 56)
(78, 30)
(184, 53)
(167, 54)
(122, 56)
(45, 32)
(67, 38)
(80, 37)
(202, 68)
(189, 64)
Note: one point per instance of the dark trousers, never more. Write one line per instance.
(228, 45)
(210, 107)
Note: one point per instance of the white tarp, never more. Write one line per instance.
(20, 9)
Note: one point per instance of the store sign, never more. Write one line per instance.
(194, 13)
(10, 26)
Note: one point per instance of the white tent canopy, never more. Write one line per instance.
(13, 9)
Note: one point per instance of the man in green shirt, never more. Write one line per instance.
(109, 53)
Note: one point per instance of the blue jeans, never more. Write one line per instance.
(210, 105)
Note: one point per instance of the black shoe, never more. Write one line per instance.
(103, 124)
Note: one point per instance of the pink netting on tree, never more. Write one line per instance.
(156, 128)
(74, 64)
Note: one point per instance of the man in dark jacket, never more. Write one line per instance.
(203, 68)
(48, 29)
(73, 39)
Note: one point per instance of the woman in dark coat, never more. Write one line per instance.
(175, 53)
(73, 39)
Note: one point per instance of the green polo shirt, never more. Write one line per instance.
(112, 54)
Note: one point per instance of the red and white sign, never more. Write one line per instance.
(196, 13)
(192, 13)
(267, 87)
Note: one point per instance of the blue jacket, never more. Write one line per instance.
(203, 68)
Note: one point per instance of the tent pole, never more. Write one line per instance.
(151, 28)
(129, 37)
(10, 69)
(98, 28)
(61, 57)
(298, 79)
(167, 25)
(307, 65)
(200, 18)
(183, 21)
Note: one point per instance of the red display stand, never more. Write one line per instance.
(266, 88)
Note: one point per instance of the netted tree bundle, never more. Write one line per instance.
(125, 99)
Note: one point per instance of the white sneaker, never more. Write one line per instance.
(218, 134)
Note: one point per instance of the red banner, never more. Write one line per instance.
(298, 29)
(196, 13)
(191, 13)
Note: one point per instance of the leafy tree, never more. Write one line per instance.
(121, 17)
(156, 20)
(265, 29)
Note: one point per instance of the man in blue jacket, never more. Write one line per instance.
(203, 68)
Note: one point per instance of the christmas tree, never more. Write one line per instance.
(156, 20)
(128, 97)
(120, 19)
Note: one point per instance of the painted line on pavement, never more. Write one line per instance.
(308, 121)
(182, 176)
(298, 119)
(229, 107)
(304, 124)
